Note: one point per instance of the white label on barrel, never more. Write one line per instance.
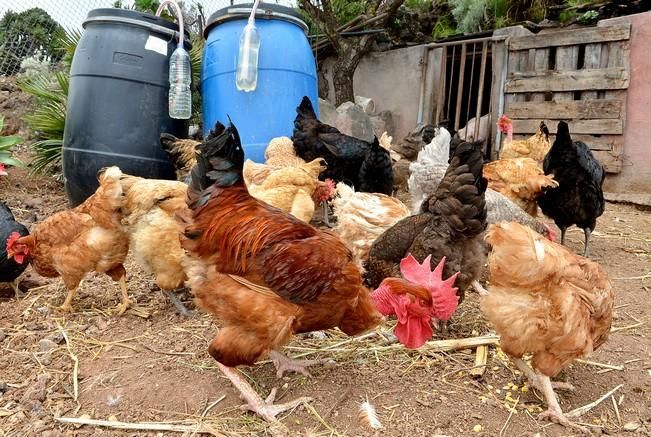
(157, 45)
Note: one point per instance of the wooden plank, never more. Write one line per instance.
(617, 32)
(567, 58)
(573, 110)
(578, 80)
(591, 127)
(480, 95)
(541, 63)
(619, 57)
(612, 161)
(602, 142)
(499, 57)
(462, 74)
(592, 59)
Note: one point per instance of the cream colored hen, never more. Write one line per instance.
(278, 154)
(150, 209)
(362, 217)
(534, 147)
(291, 189)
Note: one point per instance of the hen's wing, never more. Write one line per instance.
(391, 247)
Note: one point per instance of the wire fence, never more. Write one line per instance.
(30, 29)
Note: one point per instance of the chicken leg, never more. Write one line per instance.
(17, 292)
(534, 380)
(264, 408)
(563, 229)
(66, 306)
(554, 412)
(284, 364)
(125, 303)
(326, 219)
(479, 288)
(587, 232)
(180, 308)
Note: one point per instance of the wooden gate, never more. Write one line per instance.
(579, 76)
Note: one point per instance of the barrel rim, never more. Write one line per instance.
(136, 18)
(265, 11)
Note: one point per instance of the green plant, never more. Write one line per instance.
(48, 119)
(419, 5)
(443, 27)
(6, 143)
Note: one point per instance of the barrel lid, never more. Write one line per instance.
(265, 11)
(136, 18)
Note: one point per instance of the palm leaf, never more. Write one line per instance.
(48, 155)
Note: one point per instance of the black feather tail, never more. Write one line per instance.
(220, 160)
(168, 144)
(305, 109)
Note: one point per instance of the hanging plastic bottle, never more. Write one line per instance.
(180, 96)
(246, 75)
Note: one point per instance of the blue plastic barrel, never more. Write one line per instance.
(286, 73)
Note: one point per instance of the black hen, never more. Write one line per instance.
(451, 224)
(579, 198)
(345, 155)
(10, 270)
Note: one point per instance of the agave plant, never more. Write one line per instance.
(6, 143)
(48, 119)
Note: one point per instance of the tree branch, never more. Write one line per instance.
(325, 21)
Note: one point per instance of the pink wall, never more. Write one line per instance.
(636, 173)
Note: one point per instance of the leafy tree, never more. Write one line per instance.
(328, 15)
(24, 33)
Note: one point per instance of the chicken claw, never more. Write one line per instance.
(264, 408)
(65, 307)
(559, 417)
(284, 364)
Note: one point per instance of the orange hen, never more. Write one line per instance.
(547, 301)
(264, 274)
(88, 238)
(519, 179)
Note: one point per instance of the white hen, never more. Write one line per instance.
(429, 168)
(362, 217)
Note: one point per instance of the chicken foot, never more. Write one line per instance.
(285, 364)
(264, 408)
(554, 412)
(180, 308)
(66, 306)
(479, 288)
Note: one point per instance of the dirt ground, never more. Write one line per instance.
(152, 365)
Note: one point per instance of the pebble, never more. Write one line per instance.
(2, 335)
(46, 345)
(632, 426)
(3, 387)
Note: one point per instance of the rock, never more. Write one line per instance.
(327, 112)
(367, 104)
(632, 426)
(3, 387)
(382, 122)
(351, 120)
(46, 345)
(33, 202)
(37, 391)
(2, 335)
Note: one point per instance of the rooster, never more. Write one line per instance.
(10, 269)
(547, 301)
(451, 226)
(88, 238)
(579, 198)
(263, 273)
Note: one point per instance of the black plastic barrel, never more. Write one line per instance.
(118, 100)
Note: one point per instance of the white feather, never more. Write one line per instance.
(369, 416)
